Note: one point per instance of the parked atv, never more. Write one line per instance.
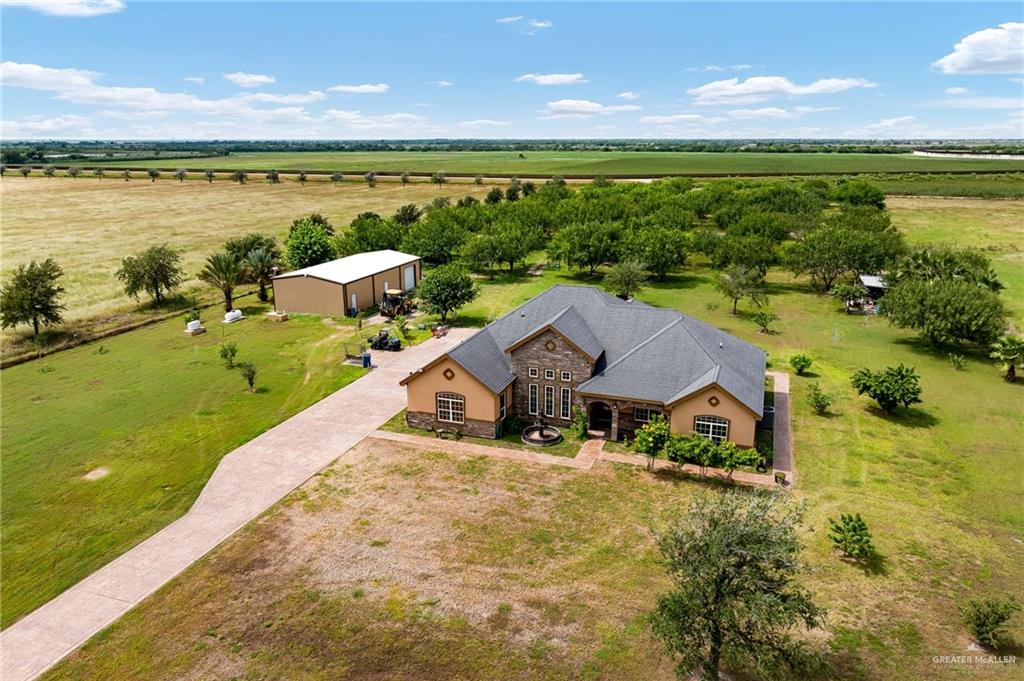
(385, 341)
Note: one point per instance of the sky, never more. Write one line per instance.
(124, 69)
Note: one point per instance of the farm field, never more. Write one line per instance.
(610, 163)
(88, 225)
(156, 409)
(468, 568)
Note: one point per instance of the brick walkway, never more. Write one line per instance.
(248, 480)
(782, 434)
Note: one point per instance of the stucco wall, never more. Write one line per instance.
(741, 421)
(564, 357)
(481, 403)
(308, 295)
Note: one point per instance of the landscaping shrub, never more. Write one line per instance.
(851, 536)
(986, 619)
(248, 370)
(819, 400)
(801, 362)
(228, 351)
(890, 388)
(764, 319)
(652, 439)
(958, 362)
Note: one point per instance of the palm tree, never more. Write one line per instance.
(127, 175)
(48, 171)
(223, 271)
(302, 177)
(273, 177)
(74, 171)
(99, 173)
(405, 178)
(261, 264)
(181, 174)
(371, 179)
(209, 176)
(337, 177)
(439, 179)
(24, 170)
(240, 176)
(1010, 351)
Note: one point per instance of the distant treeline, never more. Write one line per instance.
(98, 150)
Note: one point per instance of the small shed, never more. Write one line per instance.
(874, 284)
(347, 285)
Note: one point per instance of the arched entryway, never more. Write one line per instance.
(599, 418)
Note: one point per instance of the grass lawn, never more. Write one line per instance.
(89, 225)
(568, 447)
(157, 410)
(577, 162)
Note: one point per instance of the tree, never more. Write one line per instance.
(625, 279)
(730, 457)
(127, 175)
(801, 361)
(447, 289)
(660, 249)
(652, 439)
(513, 190)
(73, 172)
(153, 270)
(751, 251)
(734, 561)
(439, 236)
(819, 400)
(25, 171)
(240, 176)
(99, 173)
(369, 232)
(439, 179)
(407, 214)
(261, 265)
(242, 245)
(946, 310)
(847, 293)
(223, 271)
(248, 371)
(32, 296)
(737, 283)
(1010, 351)
(303, 176)
(859, 193)
(764, 319)
(946, 263)
(48, 171)
(851, 536)
(337, 177)
(209, 175)
(227, 352)
(405, 178)
(316, 219)
(891, 387)
(694, 449)
(154, 174)
(478, 180)
(308, 244)
(986, 619)
(586, 244)
(371, 179)
(181, 174)
(494, 196)
(273, 177)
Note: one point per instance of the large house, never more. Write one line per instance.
(621, 362)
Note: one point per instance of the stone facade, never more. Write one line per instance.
(547, 350)
(427, 421)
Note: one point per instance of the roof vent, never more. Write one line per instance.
(720, 344)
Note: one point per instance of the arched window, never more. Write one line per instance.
(451, 408)
(715, 428)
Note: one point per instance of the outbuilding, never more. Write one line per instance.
(347, 285)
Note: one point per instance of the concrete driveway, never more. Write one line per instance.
(247, 482)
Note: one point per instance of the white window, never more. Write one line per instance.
(644, 414)
(501, 405)
(566, 406)
(566, 375)
(714, 428)
(549, 374)
(534, 372)
(534, 399)
(451, 408)
(549, 400)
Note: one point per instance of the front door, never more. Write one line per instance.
(410, 277)
(600, 417)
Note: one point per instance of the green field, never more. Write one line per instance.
(566, 557)
(155, 408)
(609, 163)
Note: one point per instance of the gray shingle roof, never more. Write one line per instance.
(644, 353)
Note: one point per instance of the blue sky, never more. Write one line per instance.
(113, 69)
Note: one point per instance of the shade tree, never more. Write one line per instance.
(155, 271)
(308, 244)
(446, 289)
(32, 296)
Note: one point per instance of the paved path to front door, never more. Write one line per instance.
(248, 480)
(782, 434)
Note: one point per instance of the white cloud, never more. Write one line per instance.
(992, 50)
(243, 79)
(198, 80)
(766, 112)
(957, 91)
(34, 126)
(69, 8)
(583, 108)
(762, 88)
(364, 89)
(356, 120)
(510, 20)
(688, 118)
(718, 69)
(440, 83)
(553, 78)
(984, 103)
(43, 78)
(482, 123)
(296, 98)
(538, 24)
(628, 95)
(741, 67)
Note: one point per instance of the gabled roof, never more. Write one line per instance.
(643, 353)
(353, 267)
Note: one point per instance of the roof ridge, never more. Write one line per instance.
(640, 345)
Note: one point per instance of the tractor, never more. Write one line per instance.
(394, 303)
